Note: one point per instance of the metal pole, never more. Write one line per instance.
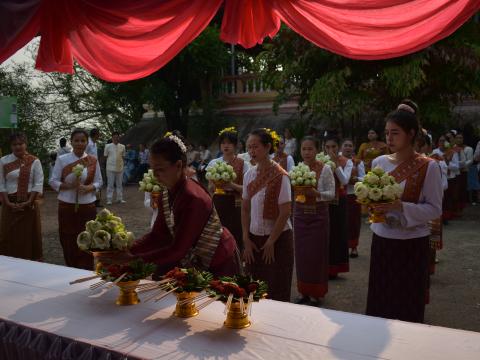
(232, 50)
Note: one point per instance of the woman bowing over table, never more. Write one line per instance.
(21, 181)
(187, 231)
(266, 208)
(399, 259)
(76, 177)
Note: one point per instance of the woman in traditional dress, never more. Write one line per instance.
(371, 149)
(311, 229)
(354, 209)
(400, 246)
(290, 143)
(266, 209)
(338, 247)
(281, 157)
(187, 231)
(228, 205)
(76, 197)
(451, 158)
(21, 182)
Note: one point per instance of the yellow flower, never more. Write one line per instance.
(167, 134)
(275, 138)
(228, 129)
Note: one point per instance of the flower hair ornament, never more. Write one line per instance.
(275, 138)
(230, 129)
(177, 141)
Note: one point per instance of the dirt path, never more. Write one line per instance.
(455, 290)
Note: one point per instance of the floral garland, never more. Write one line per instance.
(230, 129)
(176, 140)
(275, 138)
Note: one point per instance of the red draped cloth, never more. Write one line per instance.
(120, 40)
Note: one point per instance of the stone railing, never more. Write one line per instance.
(244, 85)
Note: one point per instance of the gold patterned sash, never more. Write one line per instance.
(25, 166)
(413, 171)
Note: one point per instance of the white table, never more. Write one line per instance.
(38, 296)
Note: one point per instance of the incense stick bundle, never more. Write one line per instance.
(208, 302)
(84, 279)
(250, 303)
(228, 304)
(194, 299)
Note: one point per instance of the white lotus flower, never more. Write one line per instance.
(156, 188)
(130, 238)
(78, 170)
(294, 182)
(120, 241)
(398, 190)
(371, 179)
(375, 194)
(226, 176)
(361, 191)
(389, 193)
(385, 180)
(101, 240)
(149, 187)
(377, 170)
(93, 226)
(208, 175)
(104, 215)
(84, 240)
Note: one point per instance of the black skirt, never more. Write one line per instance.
(338, 244)
(230, 213)
(398, 281)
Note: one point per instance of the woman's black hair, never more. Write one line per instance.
(313, 139)
(406, 120)
(78, 131)
(63, 142)
(94, 132)
(410, 103)
(169, 150)
(18, 136)
(265, 138)
(230, 136)
(332, 137)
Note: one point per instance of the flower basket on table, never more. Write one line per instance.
(186, 284)
(220, 174)
(104, 237)
(127, 278)
(302, 179)
(238, 294)
(377, 187)
(151, 185)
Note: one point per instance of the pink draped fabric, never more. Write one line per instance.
(120, 40)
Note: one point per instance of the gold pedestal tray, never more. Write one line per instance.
(128, 295)
(237, 319)
(219, 190)
(186, 310)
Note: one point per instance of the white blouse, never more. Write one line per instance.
(326, 185)
(258, 225)
(290, 146)
(453, 165)
(69, 196)
(9, 182)
(147, 202)
(345, 173)
(360, 176)
(413, 221)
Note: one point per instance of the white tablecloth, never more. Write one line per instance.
(37, 295)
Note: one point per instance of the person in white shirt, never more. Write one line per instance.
(338, 258)
(354, 209)
(400, 246)
(115, 154)
(311, 228)
(92, 143)
(76, 197)
(290, 143)
(282, 158)
(64, 148)
(266, 209)
(21, 182)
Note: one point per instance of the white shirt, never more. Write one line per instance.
(92, 148)
(468, 157)
(344, 174)
(69, 196)
(326, 184)
(9, 182)
(444, 170)
(246, 157)
(290, 146)
(290, 161)
(476, 155)
(360, 176)
(258, 225)
(147, 203)
(115, 155)
(413, 221)
(64, 150)
(214, 161)
(453, 166)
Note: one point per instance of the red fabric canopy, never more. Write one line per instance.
(120, 40)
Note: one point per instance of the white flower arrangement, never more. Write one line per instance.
(326, 160)
(301, 175)
(106, 232)
(377, 186)
(150, 183)
(221, 172)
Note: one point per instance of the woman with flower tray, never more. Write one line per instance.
(228, 205)
(187, 231)
(21, 181)
(266, 209)
(76, 177)
(400, 246)
(311, 228)
(338, 248)
(354, 209)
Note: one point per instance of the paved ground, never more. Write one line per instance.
(455, 291)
